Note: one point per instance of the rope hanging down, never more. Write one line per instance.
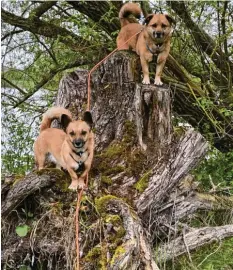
(80, 192)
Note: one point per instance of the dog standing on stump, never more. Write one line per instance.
(71, 149)
(153, 38)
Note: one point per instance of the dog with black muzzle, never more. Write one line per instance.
(71, 149)
(152, 39)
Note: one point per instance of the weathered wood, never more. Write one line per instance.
(116, 98)
(134, 243)
(26, 186)
(165, 175)
(182, 204)
(138, 164)
(192, 240)
(153, 116)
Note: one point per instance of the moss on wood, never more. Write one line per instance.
(118, 230)
(102, 202)
(106, 180)
(143, 182)
(118, 252)
(122, 156)
(93, 254)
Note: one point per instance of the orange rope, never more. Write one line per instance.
(80, 192)
(79, 198)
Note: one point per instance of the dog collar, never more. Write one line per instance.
(79, 153)
(80, 165)
(79, 162)
(157, 48)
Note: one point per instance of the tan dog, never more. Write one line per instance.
(72, 150)
(152, 39)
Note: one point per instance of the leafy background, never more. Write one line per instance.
(33, 64)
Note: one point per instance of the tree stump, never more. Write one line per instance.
(138, 166)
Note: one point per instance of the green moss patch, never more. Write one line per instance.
(102, 202)
(17, 179)
(143, 182)
(106, 180)
(93, 254)
(118, 231)
(118, 252)
(51, 171)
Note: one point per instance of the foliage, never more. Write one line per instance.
(217, 169)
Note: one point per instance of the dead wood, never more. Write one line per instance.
(134, 182)
(26, 186)
(192, 240)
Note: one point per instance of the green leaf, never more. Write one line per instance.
(22, 230)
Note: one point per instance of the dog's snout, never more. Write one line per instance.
(158, 34)
(78, 143)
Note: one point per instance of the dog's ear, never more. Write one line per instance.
(65, 120)
(88, 118)
(170, 19)
(148, 18)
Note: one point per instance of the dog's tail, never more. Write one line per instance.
(51, 114)
(127, 10)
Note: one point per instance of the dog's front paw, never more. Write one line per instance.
(77, 185)
(81, 185)
(73, 186)
(158, 81)
(146, 81)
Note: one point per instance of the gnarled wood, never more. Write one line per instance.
(192, 240)
(137, 169)
(166, 174)
(26, 186)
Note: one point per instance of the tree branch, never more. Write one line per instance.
(31, 183)
(89, 8)
(44, 28)
(47, 50)
(135, 242)
(11, 34)
(40, 10)
(49, 76)
(201, 37)
(193, 240)
(223, 24)
(181, 206)
(13, 85)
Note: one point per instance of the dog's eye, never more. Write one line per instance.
(154, 25)
(83, 133)
(72, 133)
(164, 25)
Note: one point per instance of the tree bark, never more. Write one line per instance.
(139, 163)
(27, 186)
(192, 240)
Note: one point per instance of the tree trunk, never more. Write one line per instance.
(134, 182)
